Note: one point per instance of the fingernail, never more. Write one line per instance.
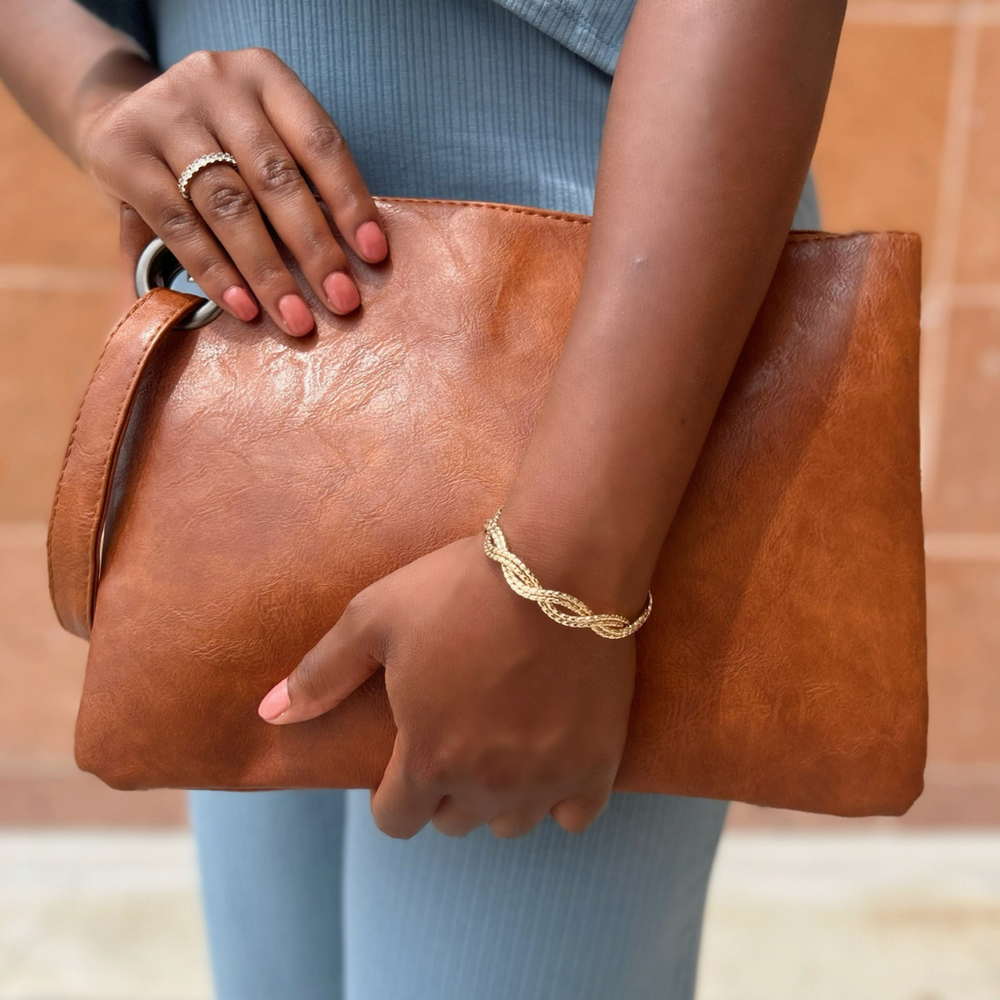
(371, 241)
(275, 702)
(341, 292)
(296, 314)
(239, 301)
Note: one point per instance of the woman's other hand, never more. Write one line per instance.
(503, 715)
(250, 104)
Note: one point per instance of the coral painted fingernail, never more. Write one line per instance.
(371, 240)
(296, 314)
(239, 301)
(275, 702)
(342, 292)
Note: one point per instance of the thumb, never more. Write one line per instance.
(338, 664)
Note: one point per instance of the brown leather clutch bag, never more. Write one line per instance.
(227, 490)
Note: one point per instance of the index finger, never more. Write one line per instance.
(321, 151)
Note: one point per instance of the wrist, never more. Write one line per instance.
(582, 552)
(114, 78)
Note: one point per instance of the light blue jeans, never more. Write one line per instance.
(306, 899)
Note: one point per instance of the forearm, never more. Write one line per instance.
(62, 64)
(711, 124)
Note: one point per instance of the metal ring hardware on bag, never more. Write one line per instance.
(157, 267)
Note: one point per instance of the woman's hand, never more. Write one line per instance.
(249, 104)
(503, 715)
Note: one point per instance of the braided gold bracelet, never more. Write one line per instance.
(560, 607)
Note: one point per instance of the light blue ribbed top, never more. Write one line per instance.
(493, 100)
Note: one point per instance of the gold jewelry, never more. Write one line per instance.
(560, 607)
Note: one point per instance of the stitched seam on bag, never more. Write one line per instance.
(69, 451)
(809, 236)
(801, 236)
(517, 210)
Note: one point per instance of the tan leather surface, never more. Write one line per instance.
(268, 480)
(83, 492)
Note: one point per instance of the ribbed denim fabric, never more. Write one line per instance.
(306, 900)
(498, 100)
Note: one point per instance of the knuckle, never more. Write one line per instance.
(177, 223)
(316, 246)
(210, 273)
(432, 769)
(346, 199)
(214, 273)
(574, 819)
(495, 777)
(391, 827)
(269, 273)
(117, 125)
(576, 815)
(454, 826)
(277, 174)
(117, 139)
(259, 55)
(307, 677)
(505, 829)
(201, 62)
(383, 822)
(324, 140)
(509, 827)
(227, 200)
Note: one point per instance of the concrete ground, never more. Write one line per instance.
(792, 916)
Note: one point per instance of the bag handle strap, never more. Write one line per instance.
(81, 501)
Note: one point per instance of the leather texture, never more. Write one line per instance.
(83, 493)
(249, 485)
